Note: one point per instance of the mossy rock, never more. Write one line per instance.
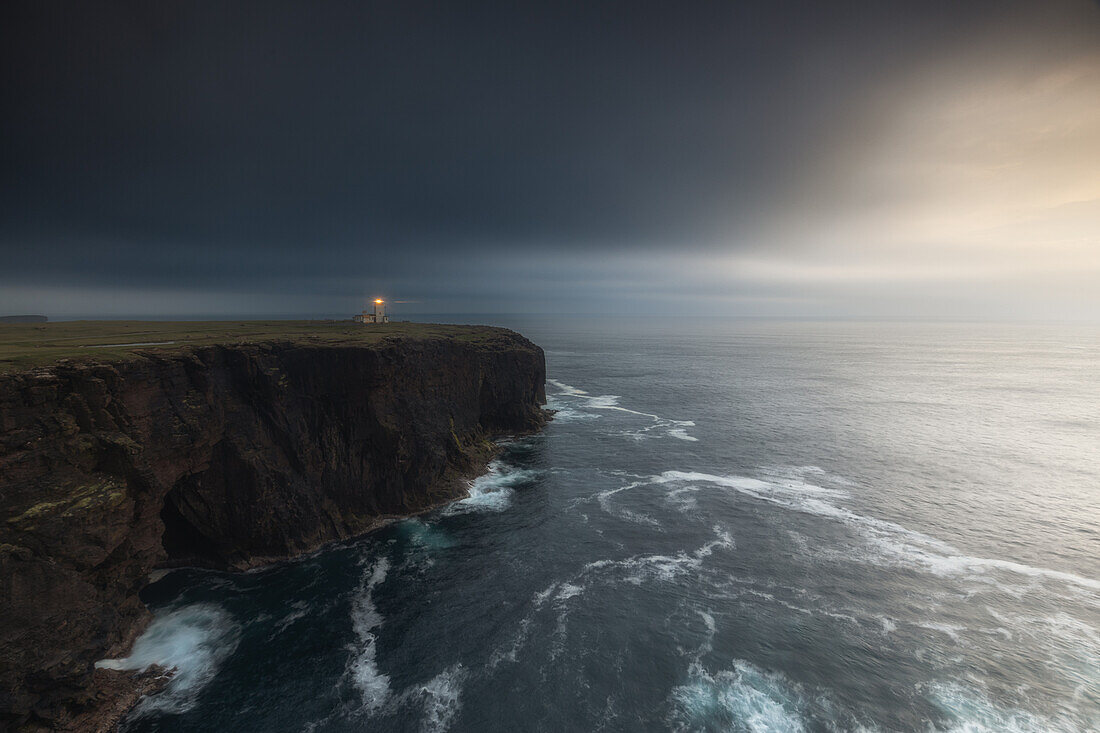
(108, 493)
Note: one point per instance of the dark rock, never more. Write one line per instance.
(222, 456)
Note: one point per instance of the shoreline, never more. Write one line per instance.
(232, 456)
(120, 690)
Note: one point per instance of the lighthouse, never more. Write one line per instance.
(378, 316)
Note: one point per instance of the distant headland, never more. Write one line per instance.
(24, 319)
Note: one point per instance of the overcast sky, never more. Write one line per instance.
(926, 159)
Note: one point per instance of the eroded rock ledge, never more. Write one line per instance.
(225, 456)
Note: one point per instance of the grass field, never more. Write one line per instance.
(25, 345)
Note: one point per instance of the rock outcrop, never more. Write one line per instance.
(222, 456)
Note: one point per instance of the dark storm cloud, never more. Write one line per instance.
(299, 147)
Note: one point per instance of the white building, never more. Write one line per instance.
(378, 316)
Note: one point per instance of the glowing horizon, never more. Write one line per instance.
(880, 159)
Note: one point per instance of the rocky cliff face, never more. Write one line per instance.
(225, 456)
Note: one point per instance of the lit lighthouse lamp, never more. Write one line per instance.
(378, 316)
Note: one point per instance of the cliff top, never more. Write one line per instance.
(27, 345)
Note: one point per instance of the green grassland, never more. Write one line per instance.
(26, 345)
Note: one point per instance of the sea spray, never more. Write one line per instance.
(192, 641)
(493, 491)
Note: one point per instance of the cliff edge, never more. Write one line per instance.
(224, 454)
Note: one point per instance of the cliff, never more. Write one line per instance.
(224, 455)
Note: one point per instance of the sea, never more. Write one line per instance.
(729, 525)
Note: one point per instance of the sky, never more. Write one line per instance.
(867, 159)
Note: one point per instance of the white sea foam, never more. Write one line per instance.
(641, 568)
(1073, 643)
(567, 414)
(634, 570)
(683, 498)
(424, 535)
(440, 698)
(573, 403)
(494, 490)
(561, 592)
(510, 652)
(893, 543)
(567, 591)
(949, 630)
(373, 686)
(542, 596)
(707, 645)
(191, 640)
(566, 389)
(609, 402)
(299, 611)
(970, 711)
(742, 698)
(604, 498)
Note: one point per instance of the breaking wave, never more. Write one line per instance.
(192, 641)
(494, 490)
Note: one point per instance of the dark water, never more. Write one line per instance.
(742, 526)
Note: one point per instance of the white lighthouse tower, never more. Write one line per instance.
(378, 316)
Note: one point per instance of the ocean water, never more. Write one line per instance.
(729, 526)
